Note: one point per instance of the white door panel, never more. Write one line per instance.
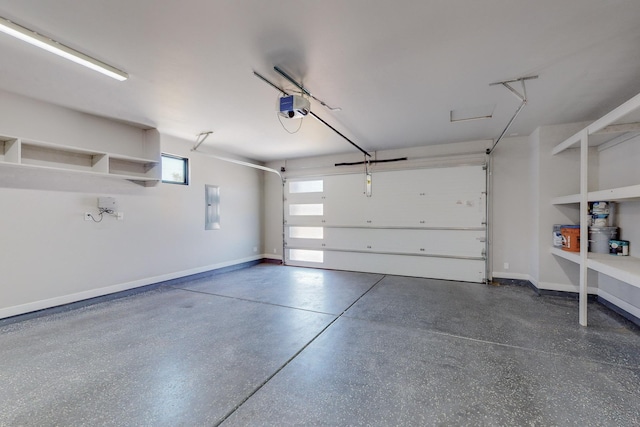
(420, 242)
(401, 265)
(425, 222)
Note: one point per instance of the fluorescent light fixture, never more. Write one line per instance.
(59, 49)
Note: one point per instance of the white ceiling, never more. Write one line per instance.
(396, 68)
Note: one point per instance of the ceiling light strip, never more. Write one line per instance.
(35, 39)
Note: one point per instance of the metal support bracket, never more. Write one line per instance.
(523, 101)
(200, 139)
(304, 89)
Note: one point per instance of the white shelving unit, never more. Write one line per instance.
(23, 153)
(621, 194)
(618, 126)
(624, 268)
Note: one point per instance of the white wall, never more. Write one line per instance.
(49, 255)
(618, 167)
(273, 214)
(534, 194)
(512, 208)
(557, 175)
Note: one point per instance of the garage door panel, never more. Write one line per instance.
(435, 182)
(436, 197)
(437, 242)
(461, 211)
(420, 242)
(402, 265)
(425, 214)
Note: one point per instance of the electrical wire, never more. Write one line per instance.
(285, 128)
(101, 212)
(95, 220)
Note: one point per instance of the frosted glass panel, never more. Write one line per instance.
(306, 255)
(306, 232)
(212, 207)
(315, 186)
(306, 209)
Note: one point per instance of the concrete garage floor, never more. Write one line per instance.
(272, 345)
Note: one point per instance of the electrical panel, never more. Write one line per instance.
(212, 207)
(107, 204)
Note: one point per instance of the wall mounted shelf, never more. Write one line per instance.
(624, 268)
(621, 194)
(23, 153)
(566, 200)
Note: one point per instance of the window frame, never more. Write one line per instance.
(185, 161)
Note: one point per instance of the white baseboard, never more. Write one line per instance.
(272, 256)
(550, 286)
(506, 275)
(631, 309)
(92, 293)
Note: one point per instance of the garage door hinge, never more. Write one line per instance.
(481, 239)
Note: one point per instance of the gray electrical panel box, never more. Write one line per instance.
(107, 203)
(211, 207)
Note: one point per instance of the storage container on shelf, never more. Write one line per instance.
(599, 238)
(557, 235)
(619, 247)
(570, 238)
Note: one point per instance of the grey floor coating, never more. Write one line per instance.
(273, 345)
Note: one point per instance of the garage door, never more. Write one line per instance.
(423, 222)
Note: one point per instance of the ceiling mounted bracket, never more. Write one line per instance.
(523, 101)
(200, 139)
(311, 113)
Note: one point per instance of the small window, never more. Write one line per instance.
(315, 186)
(175, 170)
(306, 255)
(309, 209)
(306, 232)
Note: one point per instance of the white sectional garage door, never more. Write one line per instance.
(423, 222)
